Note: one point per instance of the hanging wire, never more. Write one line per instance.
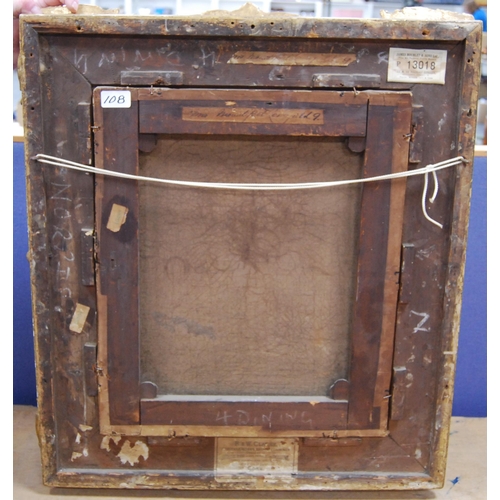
(431, 168)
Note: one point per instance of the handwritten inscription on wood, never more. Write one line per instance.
(254, 115)
(291, 58)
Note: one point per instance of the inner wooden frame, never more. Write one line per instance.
(356, 406)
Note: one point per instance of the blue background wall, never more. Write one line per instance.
(470, 382)
(470, 385)
(24, 359)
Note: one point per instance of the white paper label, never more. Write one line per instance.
(115, 99)
(238, 459)
(79, 318)
(417, 66)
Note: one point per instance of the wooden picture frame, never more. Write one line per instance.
(376, 270)
(381, 421)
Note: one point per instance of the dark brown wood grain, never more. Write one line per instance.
(87, 256)
(398, 393)
(104, 61)
(117, 256)
(90, 363)
(208, 26)
(419, 326)
(67, 201)
(316, 414)
(375, 293)
(38, 252)
(270, 118)
(407, 261)
(370, 455)
(416, 141)
(340, 390)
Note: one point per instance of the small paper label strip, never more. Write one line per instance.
(244, 458)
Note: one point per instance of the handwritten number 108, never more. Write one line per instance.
(114, 99)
